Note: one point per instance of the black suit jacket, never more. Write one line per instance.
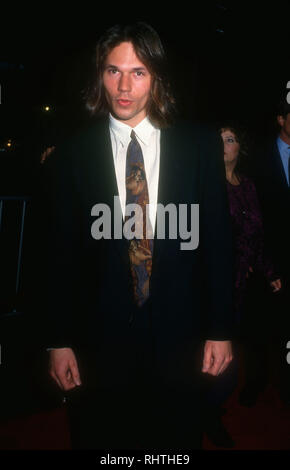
(86, 293)
(274, 195)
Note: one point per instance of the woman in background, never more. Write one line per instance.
(246, 218)
(251, 264)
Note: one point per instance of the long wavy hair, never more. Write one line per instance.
(149, 50)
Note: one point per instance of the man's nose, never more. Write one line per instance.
(124, 83)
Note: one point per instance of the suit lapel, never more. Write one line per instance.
(167, 188)
(101, 177)
(279, 169)
(100, 168)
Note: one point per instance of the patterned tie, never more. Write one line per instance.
(140, 249)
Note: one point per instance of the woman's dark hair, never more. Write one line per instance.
(241, 136)
(149, 50)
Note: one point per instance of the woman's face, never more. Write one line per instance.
(231, 146)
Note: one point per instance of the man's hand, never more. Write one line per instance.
(63, 368)
(276, 285)
(217, 356)
(46, 154)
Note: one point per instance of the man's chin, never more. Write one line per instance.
(131, 117)
(122, 115)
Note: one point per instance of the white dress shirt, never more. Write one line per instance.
(148, 137)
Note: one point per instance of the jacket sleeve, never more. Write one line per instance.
(216, 241)
(56, 251)
(263, 262)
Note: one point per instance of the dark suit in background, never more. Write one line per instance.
(274, 195)
(142, 375)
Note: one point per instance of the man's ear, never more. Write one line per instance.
(280, 120)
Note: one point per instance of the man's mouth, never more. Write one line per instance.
(124, 102)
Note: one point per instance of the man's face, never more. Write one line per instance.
(127, 84)
(285, 128)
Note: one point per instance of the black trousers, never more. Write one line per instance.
(264, 334)
(140, 412)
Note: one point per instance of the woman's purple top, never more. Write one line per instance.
(248, 236)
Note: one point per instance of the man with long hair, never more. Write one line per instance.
(135, 322)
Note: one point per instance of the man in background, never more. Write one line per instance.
(272, 176)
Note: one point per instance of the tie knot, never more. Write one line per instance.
(133, 135)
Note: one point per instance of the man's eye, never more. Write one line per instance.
(113, 71)
(139, 73)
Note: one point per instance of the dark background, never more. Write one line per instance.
(229, 60)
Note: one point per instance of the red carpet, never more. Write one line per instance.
(266, 426)
(43, 431)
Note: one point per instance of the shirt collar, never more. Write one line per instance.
(282, 145)
(122, 131)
